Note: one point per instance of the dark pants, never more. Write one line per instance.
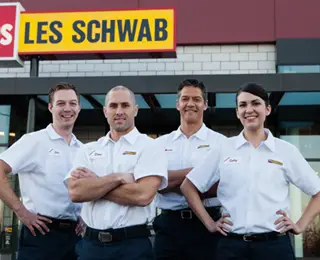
(127, 249)
(55, 245)
(230, 248)
(186, 239)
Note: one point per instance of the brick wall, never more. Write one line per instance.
(224, 59)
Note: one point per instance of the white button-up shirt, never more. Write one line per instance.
(42, 160)
(254, 182)
(133, 153)
(182, 153)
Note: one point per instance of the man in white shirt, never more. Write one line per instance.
(179, 233)
(117, 178)
(41, 159)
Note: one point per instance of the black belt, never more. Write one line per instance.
(66, 225)
(257, 237)
(187, 213)
(112, 235)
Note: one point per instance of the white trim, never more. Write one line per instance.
(10, 4)
(19, 9)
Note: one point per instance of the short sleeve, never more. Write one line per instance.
(300, 173)
(152, 162)
(81, 160)
(206, 174)
(20, 157)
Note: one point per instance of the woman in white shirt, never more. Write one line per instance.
(254, 170)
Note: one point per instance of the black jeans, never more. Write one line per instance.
(127, 249)
(55, 245)
(230, 248)
(186, 239)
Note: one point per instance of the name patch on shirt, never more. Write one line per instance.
(129, 153)
(232, 160)
(54, 152)
(275, 162)
(203, 146)
(96, 154)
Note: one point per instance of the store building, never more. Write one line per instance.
(223, 43)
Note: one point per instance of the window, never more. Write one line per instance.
(299, 69)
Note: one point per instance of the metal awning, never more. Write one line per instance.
(163, 84)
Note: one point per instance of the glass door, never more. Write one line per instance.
(311, 237)
(307, 140)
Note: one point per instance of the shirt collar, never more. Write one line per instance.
(55, 136)
(269, 142)
(131, 137)
(201, 133)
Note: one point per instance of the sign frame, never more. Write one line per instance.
(15, 60)
(108, 54)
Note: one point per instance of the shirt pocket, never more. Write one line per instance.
(199, 155)
(174, 158)
(100, 163)
(55, 169)
(272, 176)
(233, 176)
(127, 162)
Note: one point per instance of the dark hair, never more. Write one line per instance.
(254, 89)
(193, 83)
(62, 86)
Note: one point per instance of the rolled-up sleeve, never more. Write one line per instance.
(206, 174)
(300, 173)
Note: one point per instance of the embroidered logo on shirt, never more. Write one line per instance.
(129, 152)
(203, 146)
(168, 150)
(275, 162)
(54, 152)
(232, 160)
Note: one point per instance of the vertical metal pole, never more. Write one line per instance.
(34, 67)
(31, 115)
(34, 73)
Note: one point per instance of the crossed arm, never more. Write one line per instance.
(85, 186)
(140, 193)
(175, 179)
(120, 188)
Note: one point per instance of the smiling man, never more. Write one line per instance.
(179, 233)
(50, 230)
(117, 178)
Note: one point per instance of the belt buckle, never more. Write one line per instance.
(246, 239)
(188, 214)
(105, 237)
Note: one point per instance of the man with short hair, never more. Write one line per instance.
(117, 178)
(42, 158)
(179, 233)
